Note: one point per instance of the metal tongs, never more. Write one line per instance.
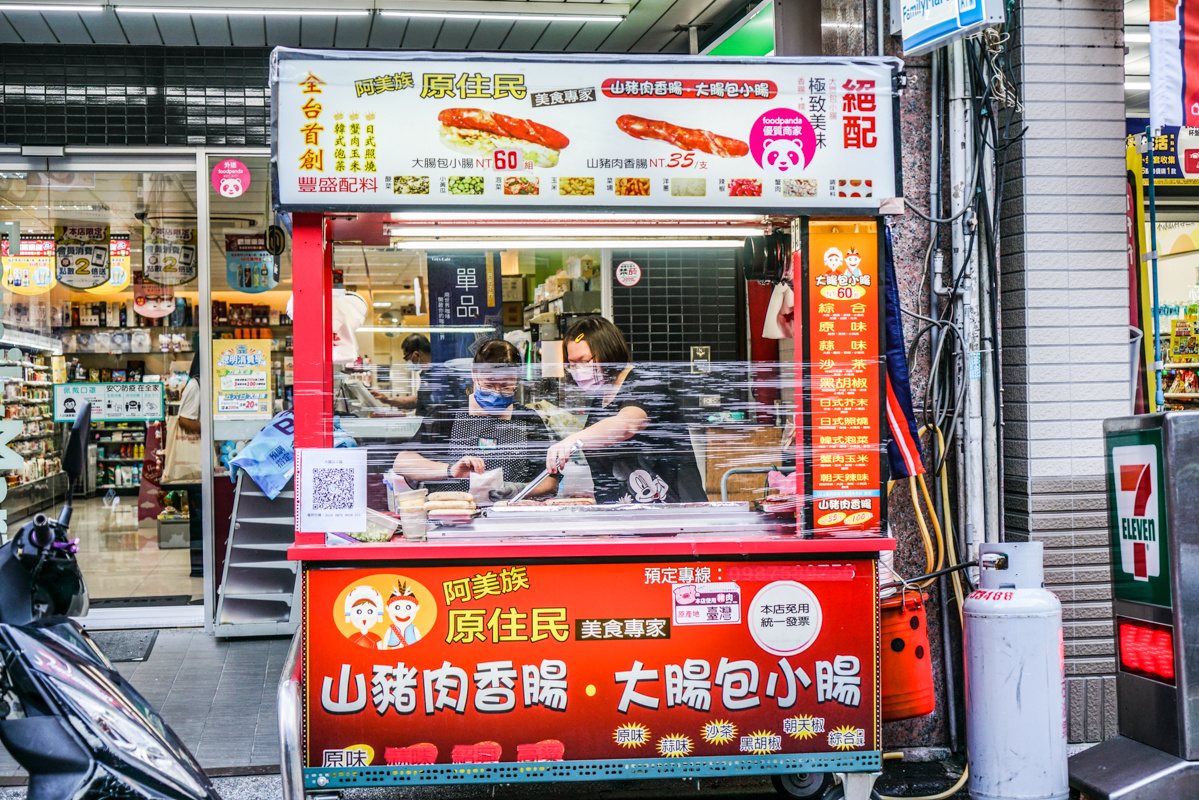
(545, 473)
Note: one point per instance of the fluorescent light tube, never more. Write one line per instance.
(1136, 38)
(500, 17)
(1136, 86)
(475, 216)
(50, 7)
(549, 232)
(244, 12)
(572, 244)
(424, 329)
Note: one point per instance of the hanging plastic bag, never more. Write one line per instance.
(270, 457)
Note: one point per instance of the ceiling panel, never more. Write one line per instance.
(489, 35)
(557, 36)
(421, 33)
(523, 35)
(317, 31)
(455, 34)
(642, 17)
(140, 29)
(592, 35)
(283, 31)
(212, 31)
(105, 28)
(352, 33)
(388, 32)
(248, 31)
(663, 32)
(8, 34)
(176, 29)
(68, 28)
(31, 26)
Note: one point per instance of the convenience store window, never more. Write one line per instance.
(248, 370)
(135, 539)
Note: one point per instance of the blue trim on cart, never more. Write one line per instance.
(606, 770)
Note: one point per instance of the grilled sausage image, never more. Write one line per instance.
(682, 138)
(503, 125)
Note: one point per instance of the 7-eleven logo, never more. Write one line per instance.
(1135, 471)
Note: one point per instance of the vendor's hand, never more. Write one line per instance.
(466, 465)
(509, 490)
(558, 455)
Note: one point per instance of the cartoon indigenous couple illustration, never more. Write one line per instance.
(364, 610)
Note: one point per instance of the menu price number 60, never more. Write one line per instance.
(509, 159)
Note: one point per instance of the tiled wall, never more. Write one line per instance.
(681, 301)
(134, 96)
(1065, 323)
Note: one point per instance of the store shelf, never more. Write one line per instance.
(1182, 365)
(116, 441)
(122, 460)
(1182, 395)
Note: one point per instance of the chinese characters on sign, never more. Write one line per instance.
(581, 132)
(843, 432)
(241, 386)
(584, 661)
(169, 256)
(81, 255)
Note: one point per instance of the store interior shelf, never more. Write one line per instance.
(32, 496)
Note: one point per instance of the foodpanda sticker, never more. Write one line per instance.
(230, 178)
(706, 603)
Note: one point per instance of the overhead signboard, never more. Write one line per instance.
(393, 131)
(929, 24)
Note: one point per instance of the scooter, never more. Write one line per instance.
(66, 715)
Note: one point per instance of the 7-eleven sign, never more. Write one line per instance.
(1137, 525)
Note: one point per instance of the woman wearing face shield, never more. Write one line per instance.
(635, 442)
(492, 432)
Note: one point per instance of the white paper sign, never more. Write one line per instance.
(331, 490)
(111, 402)
(523, 132)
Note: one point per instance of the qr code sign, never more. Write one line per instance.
(332, 488)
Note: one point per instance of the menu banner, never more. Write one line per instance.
(241, 385)
(370, 130)
(843, 433)
(81, 255)
(471, 664)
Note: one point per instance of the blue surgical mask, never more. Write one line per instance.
(492, 401)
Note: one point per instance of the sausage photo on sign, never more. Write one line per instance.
(682, 138)
(477, 132)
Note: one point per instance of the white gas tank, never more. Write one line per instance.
(1015, 679)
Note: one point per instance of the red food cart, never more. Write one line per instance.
(626, 639)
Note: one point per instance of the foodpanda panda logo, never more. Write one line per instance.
(782, 155)
(231, 187)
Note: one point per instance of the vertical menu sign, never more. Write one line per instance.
(843, 425)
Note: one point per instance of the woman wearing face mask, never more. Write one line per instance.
(636, 445)
(492, 432)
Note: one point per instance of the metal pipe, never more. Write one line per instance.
(289, 696)
(878, 18)
(1157, 328)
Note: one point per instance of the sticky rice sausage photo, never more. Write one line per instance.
(682, 138)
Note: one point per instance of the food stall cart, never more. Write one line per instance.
(594, 642)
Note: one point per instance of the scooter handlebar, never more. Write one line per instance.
(42, 535)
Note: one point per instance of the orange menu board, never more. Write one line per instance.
(843, 334)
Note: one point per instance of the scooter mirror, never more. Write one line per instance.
(76, 454)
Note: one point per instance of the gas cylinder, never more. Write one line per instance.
(1015, 679)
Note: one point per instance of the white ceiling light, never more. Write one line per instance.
(482, 15)
(505, 10)
(549, 232)
(1136, 38)
(424, 329)
(51, 7)
(1136, 86)
(567, 244)
(244, 12)
(534, 217)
